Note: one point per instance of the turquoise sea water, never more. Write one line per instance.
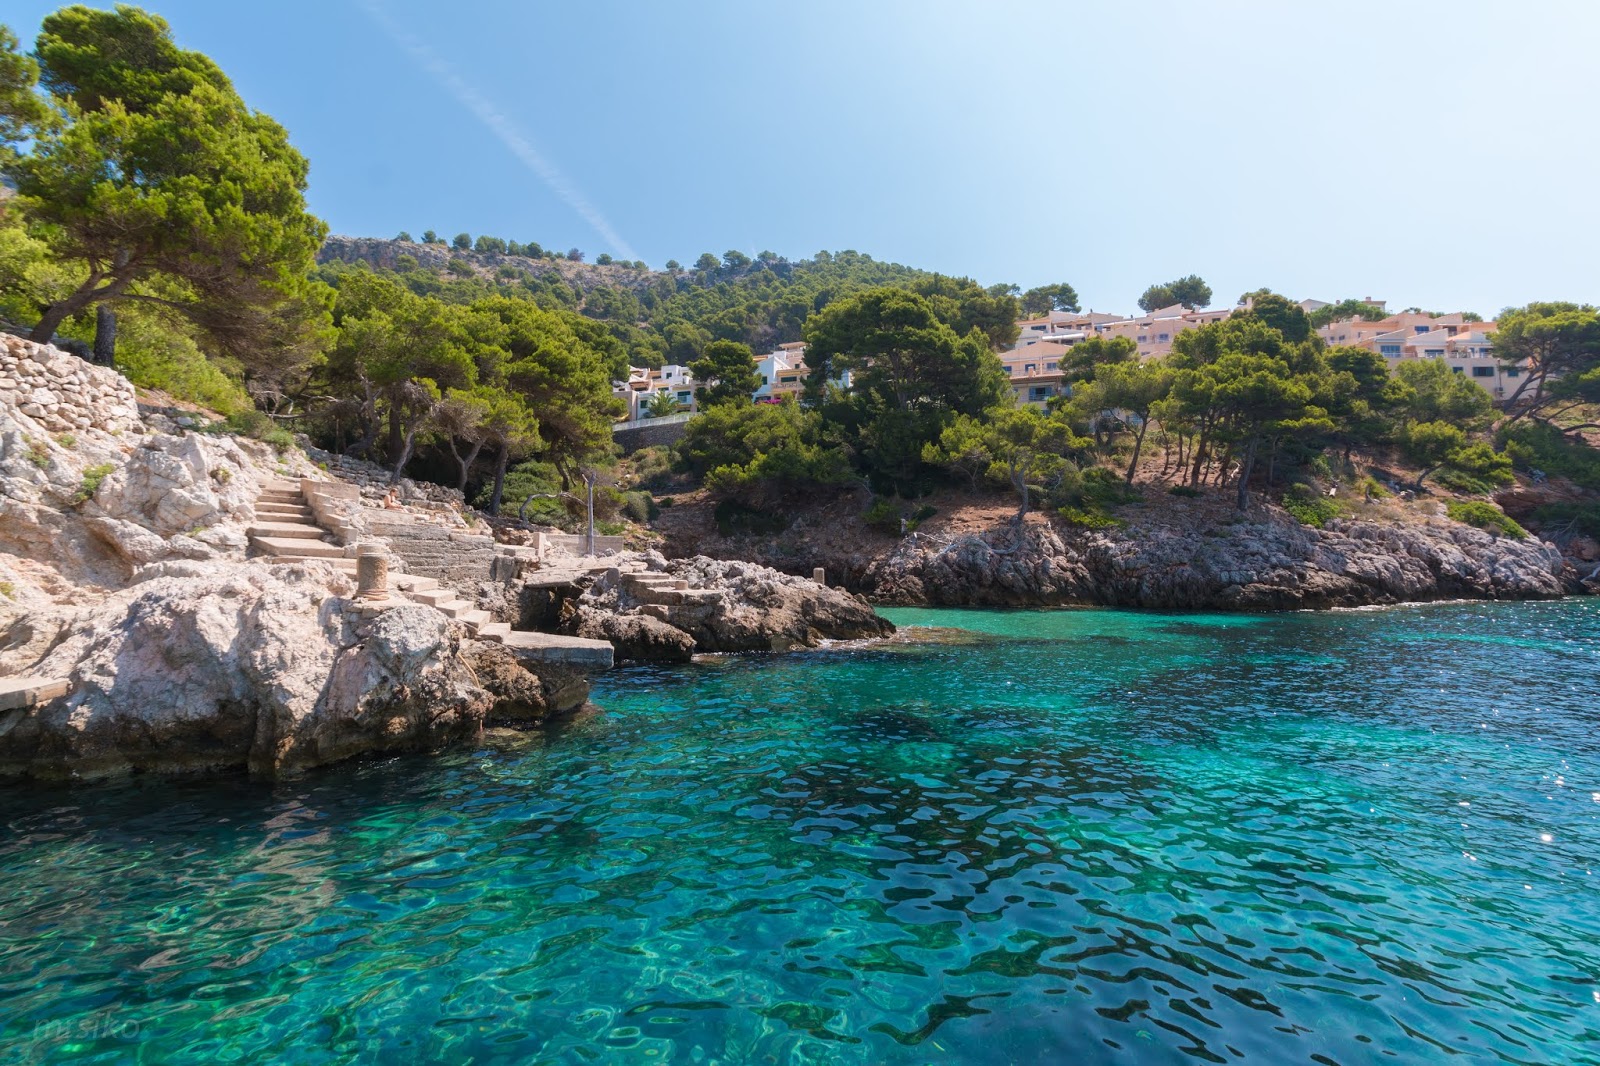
(1086, 837)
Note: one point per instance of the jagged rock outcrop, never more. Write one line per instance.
(637, 637)
(1266, 563)
(521, 696)
(654, 610)
(235, 666)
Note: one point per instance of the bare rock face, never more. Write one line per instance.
(765, 610)
(653, 610)
(521, 696)
(211, 666)
(637, 637)
(1270, 563)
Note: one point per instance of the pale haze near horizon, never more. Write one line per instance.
(1427, 153)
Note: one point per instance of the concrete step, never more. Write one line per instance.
(494, 632)
(19, 692)
(413, 582)
(293, 510)
(435, 596)
(455, 608)
(476, 619)
(280, 485)
(297, 546)
(289, 530)
(550, 648)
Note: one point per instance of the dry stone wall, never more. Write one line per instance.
(61, 392)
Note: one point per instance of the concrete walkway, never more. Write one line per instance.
(19, 692)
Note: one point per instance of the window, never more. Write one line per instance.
(1031, 368)
(1483, 371)
(1390, 350)
(1052, 366)
(1163, 338)
(1433, 353)
(683, 397)
(1421, 329)
(1513, 372)
(1459, 369)
(1038, 393)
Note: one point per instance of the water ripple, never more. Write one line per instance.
(1103, 836)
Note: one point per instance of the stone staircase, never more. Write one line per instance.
(286, 531)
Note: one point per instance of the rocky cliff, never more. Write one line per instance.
(1163, 552)
(1266, 564)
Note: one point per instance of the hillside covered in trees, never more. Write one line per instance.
(160, 223)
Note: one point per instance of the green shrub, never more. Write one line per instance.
(8, 590)
(1184, 491)
(652, 468)
(1088, 519)
(884, 516)
(67, 440)
(639, 506)
(1463, 482)
(155, 354)
(1532, 446)
(610, 529)
(259, 426)
(665, 501)
(1311, 508)
(38, 453)
(92, 478)
(1373, 489)
(1485, 516)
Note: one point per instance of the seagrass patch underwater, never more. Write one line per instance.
(1088, 836)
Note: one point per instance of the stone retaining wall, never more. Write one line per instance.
(649, 433)
(460, 560)
(61, 392)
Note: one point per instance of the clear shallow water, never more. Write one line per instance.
(1075, 836)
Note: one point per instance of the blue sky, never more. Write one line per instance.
(1440, 154)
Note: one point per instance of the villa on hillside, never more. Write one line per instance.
(1465, 346)
(1033, 364)
(783, 375)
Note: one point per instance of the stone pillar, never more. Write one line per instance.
(372, 573)
(820, 576)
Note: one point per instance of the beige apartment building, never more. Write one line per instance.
(1465, 346)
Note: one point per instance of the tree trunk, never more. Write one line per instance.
(396, 434)
(44, 331)
(500, 462)
(1245, 471)
(465, 464)
(405, 448)
(1272, 462)
(105, 335)
(1199, 458)
(1138, 445)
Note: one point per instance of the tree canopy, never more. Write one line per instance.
(160, 186)
(1191, 291)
